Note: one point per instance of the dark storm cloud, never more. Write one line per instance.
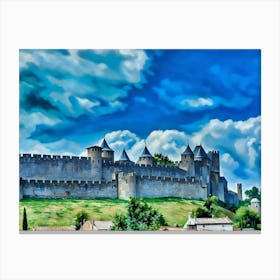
(33, 100)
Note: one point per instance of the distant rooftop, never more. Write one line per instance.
(199, 152)
(212, 221)
(146, 153)
(188, 151)
(94, 147)
(105, 146)
(124, 156)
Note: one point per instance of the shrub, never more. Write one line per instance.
(81, 217)
(246, 217)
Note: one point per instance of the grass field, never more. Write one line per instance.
(61, 212)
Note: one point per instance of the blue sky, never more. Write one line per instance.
(71, 99)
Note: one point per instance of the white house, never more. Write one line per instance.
(209, 224)
(96, 225)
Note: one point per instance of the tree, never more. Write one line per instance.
(24, 221)
(140, 216)
(81, 217)
(247, 218)
(254, 192)
(162, 160)
(210, 201)
(208, 209)
(201, 212)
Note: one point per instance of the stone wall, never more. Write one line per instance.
(58, 168)
(232, 198)
(83, 177)
(126, 185)
(68, 189)
(151, 170)
(152, 186)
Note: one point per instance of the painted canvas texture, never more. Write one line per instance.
(140, 140)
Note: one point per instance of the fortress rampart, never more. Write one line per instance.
(98, 175)
(54, 167)
(130, 183)
(68, 189)
(152, 186)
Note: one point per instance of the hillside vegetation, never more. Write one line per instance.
(62, 212)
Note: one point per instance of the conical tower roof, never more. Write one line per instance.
(146, 153)
(188, 151)
(124, 156)
(199, 152)
(105, 146)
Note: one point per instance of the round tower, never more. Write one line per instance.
(107, 153)
(146, 157)
(239, 191)
(187, 161)
(214, 156)
(94, 153)
(256, 205)
(202, 167)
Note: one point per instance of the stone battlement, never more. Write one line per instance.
(214, 152)
(170, 179)
(98, 176)
(52, 157)
(68, 189)
(63, 182)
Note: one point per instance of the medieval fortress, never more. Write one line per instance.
(196, 176)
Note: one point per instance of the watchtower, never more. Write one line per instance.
(146, 157)
(107, 153)
(202, 166)
(187, 161)
(94, 153)
(214, 156)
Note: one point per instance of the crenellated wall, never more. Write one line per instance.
(151, 170)
(52, 167)
(58, 167)
(93, 177)
(153, 186)
(68, 189)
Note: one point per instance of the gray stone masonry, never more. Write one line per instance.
(99, 176)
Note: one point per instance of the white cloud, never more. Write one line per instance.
(123, 139)
(167, 142)
(30, 121)
(227, 162)
(78, 83)
(61, 147)
(178, 95)
(87, 104)
(241, 140)
(238, 143)
(199, 102)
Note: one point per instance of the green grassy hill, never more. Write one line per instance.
(61, 212)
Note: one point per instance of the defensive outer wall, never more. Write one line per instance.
(196, 176)
(78, 177)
